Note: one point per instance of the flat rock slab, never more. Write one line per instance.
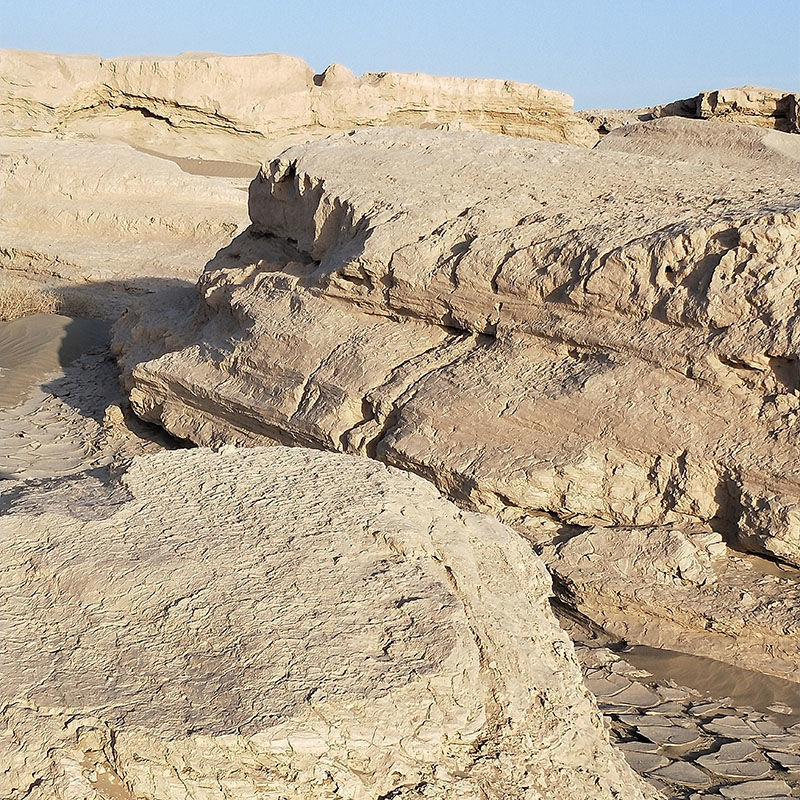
(732, 728)
(260, 618)
(788, 741)
(789, 761)
(638, 696)
(672, 735)
(683, 773)
(645, 762)
(736, 751)
(735, 769)
(756, 789)
(607, 686)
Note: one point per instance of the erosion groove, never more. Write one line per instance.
(639, 357)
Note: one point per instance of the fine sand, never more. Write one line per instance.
(31, 348)
(743, 686)
(210, 168)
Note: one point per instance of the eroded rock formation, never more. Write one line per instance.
(246, 107)
(562, 337)
(281, 622)
(748, 105)
(752, 105)
(100, 220)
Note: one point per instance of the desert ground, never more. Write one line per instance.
(395, 436)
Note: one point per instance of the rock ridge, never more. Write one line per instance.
(237, 107)
(563, 338)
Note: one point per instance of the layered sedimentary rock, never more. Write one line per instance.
(747, 105)
(106, 220)
(690, 593)
(284, 623)
(243, 108)
(751, 105)
(561, 337)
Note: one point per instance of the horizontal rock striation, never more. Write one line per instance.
(103, 220)
(239, 108)
(567, 331)
(280, 622)
(682, 590)
(560, 337)
(745, 105)
(751, 105)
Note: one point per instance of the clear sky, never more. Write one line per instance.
(605, 53)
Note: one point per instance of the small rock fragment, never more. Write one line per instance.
(684, 773)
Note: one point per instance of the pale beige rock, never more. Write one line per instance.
(534, 327)
(715, 144)
(240, 108)
(753, 105)
(100, 222)
(276, 622)
(682, 591)
(749, 105)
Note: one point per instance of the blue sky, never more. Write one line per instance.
(605, 53)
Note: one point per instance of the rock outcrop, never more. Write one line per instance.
(751, 105)
(276, 622)
(560, 337)
(747, 105)
(103, 221)
(743, 148)
(246, 107)
(682, 590)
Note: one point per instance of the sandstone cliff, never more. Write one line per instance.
(561, 337)
(360, 637)
(246, 107)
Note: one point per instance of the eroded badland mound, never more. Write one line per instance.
(597, 346)
(273, 623)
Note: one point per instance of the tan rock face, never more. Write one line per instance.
(682, 590)
(106, 220)
(554, 335)
(708, 144)
(744, 105)
(285, 622)
(242, 108)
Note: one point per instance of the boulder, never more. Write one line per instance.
(554, 335)
(282, 622)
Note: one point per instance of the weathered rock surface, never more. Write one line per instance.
(752, 105)
(708, 144)
(284, 622)
(681, 590)
(107, 221)
(535, 328)
(242, 108)
(748, 105)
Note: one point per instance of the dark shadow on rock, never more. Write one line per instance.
(83, 495)
(90, 380)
